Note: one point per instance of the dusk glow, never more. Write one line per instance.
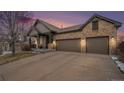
(70, 18)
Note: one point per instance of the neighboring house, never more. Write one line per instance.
(97, 35)
(5, 42)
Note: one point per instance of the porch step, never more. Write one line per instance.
(34, 50)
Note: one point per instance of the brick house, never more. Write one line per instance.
(96, 35)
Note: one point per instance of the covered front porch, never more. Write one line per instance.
(41, 35)
(42, 41)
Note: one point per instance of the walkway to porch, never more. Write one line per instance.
(42, 50)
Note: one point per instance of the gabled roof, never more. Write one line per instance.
(46, 29)
(81, 26)
(33, 32)
(116, 23)
(49, 26)
(52, 28)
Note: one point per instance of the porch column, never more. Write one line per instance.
(38, 41)
(30, 41)
(50, 37)
(50, 45)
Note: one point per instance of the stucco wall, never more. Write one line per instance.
(105, 29)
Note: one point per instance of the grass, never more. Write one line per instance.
(10, 58)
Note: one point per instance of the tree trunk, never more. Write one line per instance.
(13, 44)
(30, 42)
(13, 48)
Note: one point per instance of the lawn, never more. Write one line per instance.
(10, 58)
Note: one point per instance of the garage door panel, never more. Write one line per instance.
(69, 45)
(98, 45)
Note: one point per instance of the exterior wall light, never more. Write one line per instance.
(83, 44)
(112, 39)
(54, 44)
(113, 42)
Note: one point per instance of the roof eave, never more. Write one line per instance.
(69, 31)
(116, 23)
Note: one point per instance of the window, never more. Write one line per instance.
(95, 25)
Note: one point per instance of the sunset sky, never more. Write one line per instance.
(70, 18)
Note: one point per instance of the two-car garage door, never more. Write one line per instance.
(98, 45)
(72, 45)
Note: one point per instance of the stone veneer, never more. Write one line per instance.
(105, 29)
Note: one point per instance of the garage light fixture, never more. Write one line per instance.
(112, 37)
(113, 41)
(83, 43)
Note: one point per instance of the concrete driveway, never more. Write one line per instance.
(62, 66)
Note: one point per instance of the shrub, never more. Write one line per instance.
(25, 47)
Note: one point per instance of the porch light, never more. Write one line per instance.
(83, 43)
(54, 44)
(20, 38)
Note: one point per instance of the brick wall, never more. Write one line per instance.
(105, 29)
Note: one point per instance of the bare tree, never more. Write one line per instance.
(9, 21)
